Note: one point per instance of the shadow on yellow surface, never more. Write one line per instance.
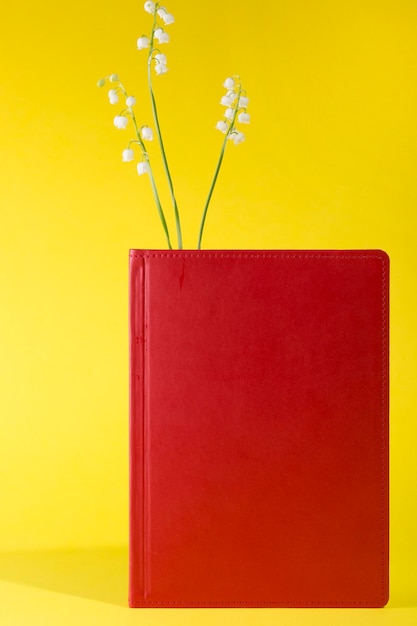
(101, 574)
(95, 574)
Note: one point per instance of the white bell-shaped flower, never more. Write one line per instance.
(161, 68)
(229, 113)
(222, 126)
(146, 133)
(168, 18)
(164, 38)
(130, 101)
(165, 16)
(161, 36)
(113, 97)
(120, 121)
(243, 118)
(227, 100)
(161, 58)
(142, 167)
(149, 7)
(237, 137)
(128, 155)
(142, 42)
(243, 102)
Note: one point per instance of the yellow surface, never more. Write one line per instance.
(88, 587)
(329, 162)
(53, 591)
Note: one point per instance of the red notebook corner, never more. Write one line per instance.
(258, 428)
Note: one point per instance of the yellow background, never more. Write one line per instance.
(329, 162)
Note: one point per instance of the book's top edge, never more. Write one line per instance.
(366, 253)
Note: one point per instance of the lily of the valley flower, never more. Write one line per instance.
(161, 68)
(146, 133)
(113, 97)
(120, 121)
(229, 113)
(130, 101)
(161, 63)
(243, 118)
(229, 83)
(142, 42)
(113, 78)
(237, 137)
(222, 126)
(143, 168)
(243, 102)
(227, 100)
(161, 36)
(165, 16)
(149, 7)
(128, 155)
(168, 18)
(161, 58)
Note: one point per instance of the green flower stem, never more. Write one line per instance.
(164, 158)
(216, 173)
(159, 207)
(158, 132)
(213, 183)
(153, 184)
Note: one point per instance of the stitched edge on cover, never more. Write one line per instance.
(250, 255)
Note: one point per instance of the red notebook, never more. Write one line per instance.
(258, 428)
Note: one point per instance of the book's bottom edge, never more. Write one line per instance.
(134, 604)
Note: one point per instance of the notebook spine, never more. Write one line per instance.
(137, 425)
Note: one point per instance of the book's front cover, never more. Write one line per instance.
(259, 428)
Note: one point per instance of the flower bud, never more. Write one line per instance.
(130, 101)
(149, 7)
(113, 78)
(128, 155)
(101, 82)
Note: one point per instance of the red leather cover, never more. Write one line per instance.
(259, 428)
